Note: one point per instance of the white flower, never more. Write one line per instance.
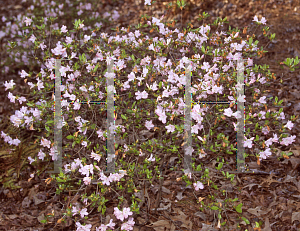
(148, 2)
(9, 85)
(189, 150)
(42, 46)
(95, 156)
(151, 158)
(32, 38)
(30, 159)
(15, 142)
(41, 155)
(263, 20)
(86, 38)
(241, 98)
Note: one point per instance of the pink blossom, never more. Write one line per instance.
(288, 140)
(28, 21)
(248, 142)
(32, 38)
(198, 185)
(149, 124)
(289, 125)
(9, 85)
(148, 2)
(141, 95)
(64, 29)
(170, 128)
(83, 212)
(24, 74)
(45, 142)
(11, 97)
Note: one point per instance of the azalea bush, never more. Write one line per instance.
(150, 75)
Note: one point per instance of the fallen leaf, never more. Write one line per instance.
(160, 225)
(295, 216)
(257, 211)
(267, 225)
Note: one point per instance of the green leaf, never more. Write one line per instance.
(69, 137)
(238, 208)
(214, 208)
(246, 220)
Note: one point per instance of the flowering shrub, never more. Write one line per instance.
(140, 64)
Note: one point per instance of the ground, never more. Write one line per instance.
(272, 198)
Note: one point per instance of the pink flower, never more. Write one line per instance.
(95, 156)
(151, 158)
(87, 180)
(170, 128)
(248, 142)
(119, 215)
(11, 97)
(41, 155)
(149, 124)
(126, 212)
(45, 142)
(263, 20)
(265, 154)
(83, 227)
(24, 74)
(148, 2)
(32, 38)
(228, 112)
(111, 224)
(289, 125)
(275, 138)
(59, 50)
(30, 159)
(64, 29)
(128, 225)
(42, 46)
(141, 95)
(189, 151)
(86, 38)
(69, 41)
(9, 85)
(198, 185)
(288, 140)
(28, 21)
(83, 212)
(101, 228)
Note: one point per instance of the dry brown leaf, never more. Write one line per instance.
(295, 216)
(267, 225)
(160, 225)
(183, 218)
(258, 212)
